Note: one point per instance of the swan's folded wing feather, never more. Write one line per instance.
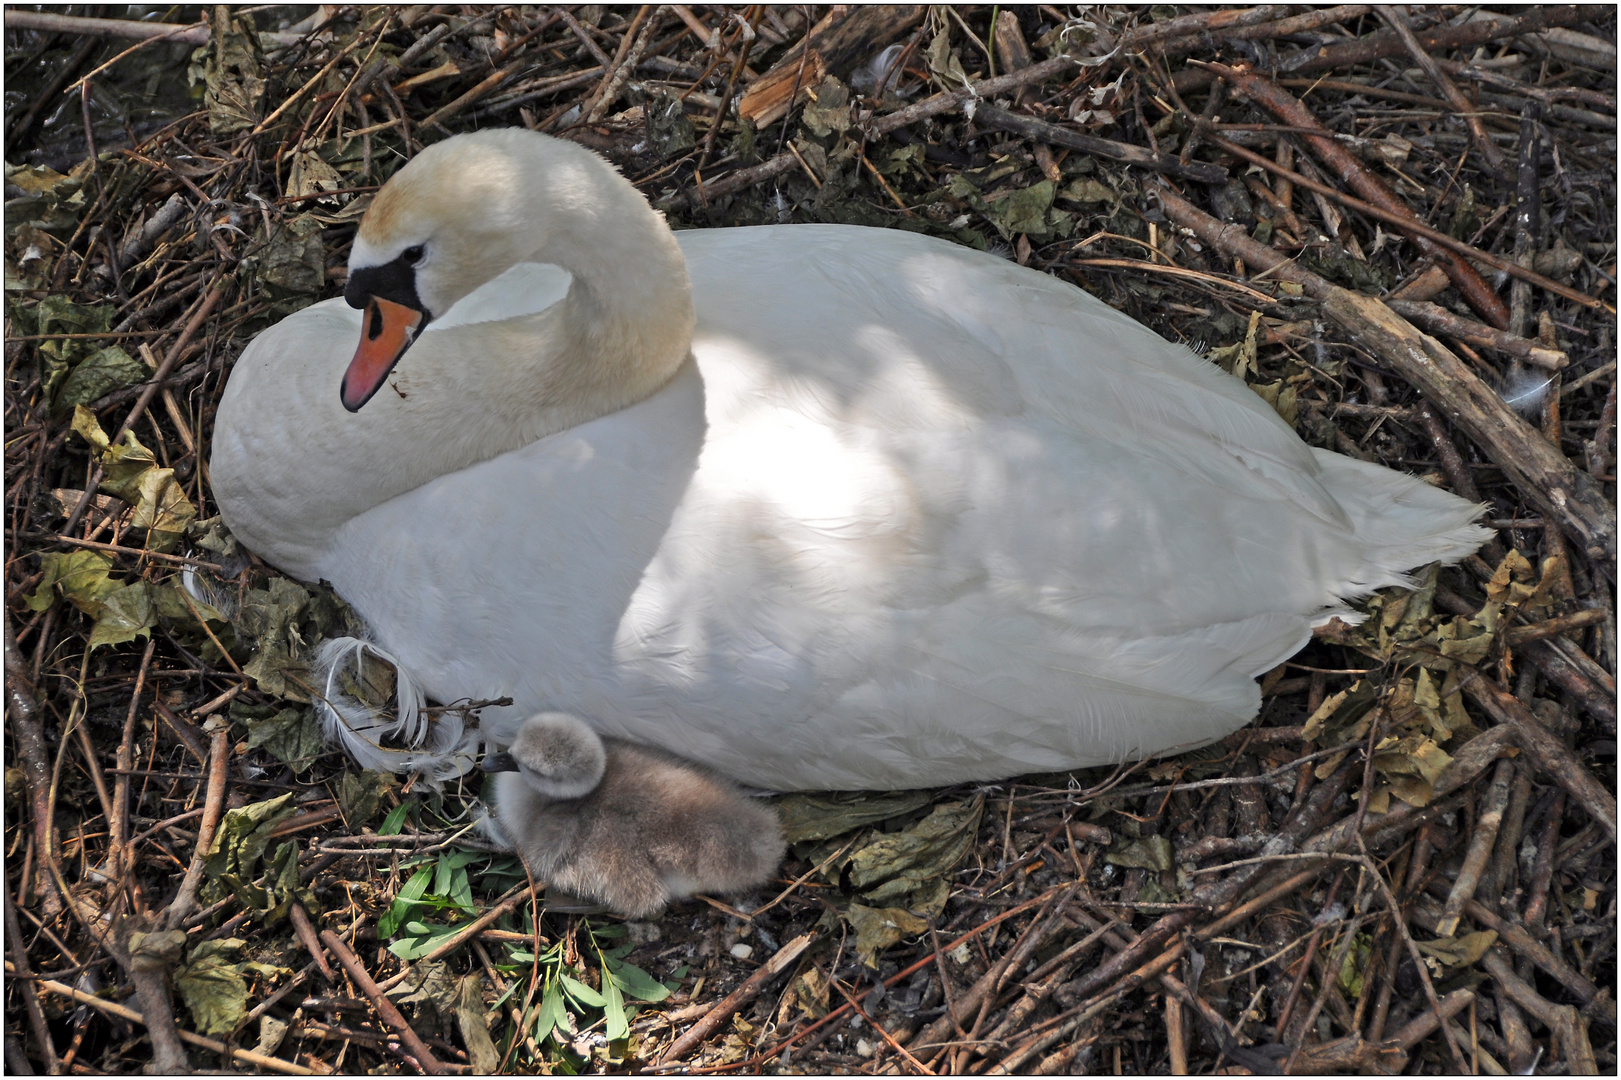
(977, 337)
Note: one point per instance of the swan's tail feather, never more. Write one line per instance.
(388, 732)
(1408, 523)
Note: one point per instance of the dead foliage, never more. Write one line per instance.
(1406, 863)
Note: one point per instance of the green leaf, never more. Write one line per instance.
(360, 794)
(635, 982)
(423, 939)
(403, 903)
(98, 375)
(125, 615)
(82, 577)
(618, 1026)
(293, 735)
(213, 987)
(550, 1014)
(396, 818)
(581, 993)
(243, 836)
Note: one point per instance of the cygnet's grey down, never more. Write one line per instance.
(628, 826)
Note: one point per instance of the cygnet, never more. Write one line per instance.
(628, 826)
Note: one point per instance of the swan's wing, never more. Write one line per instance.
(860, 314)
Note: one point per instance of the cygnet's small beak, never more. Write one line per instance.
(501, 762)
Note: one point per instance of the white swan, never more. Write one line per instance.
(626, 826)
(856, 508)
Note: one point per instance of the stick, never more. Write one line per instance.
(922, 110)
(988, 985)
(1031, 128)
(1551, 755)
(16, 944)
(1417, 228)
(307, 936)
(1395, 16)
(1519, 635)
(842, 37)
(1561, 1019)
(1385, 44)
(723, 1010)
(1175, 1035)
(1517, 938)
(22, 19)
(385, 1008)
(1288, 108)
(1480, 849)
(213, 810)
(1438, 320)
(29, 731)
(1542, 474)
(112, 1008)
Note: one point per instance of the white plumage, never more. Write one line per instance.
(907, 514)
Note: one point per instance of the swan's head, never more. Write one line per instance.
(558, 754)
(457, 215)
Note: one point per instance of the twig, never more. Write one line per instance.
(23, 19)
(1266, 93)
(1438, 320)
(112, 1008)
(213, 809)
(1517, 938)
(1400, 924)
(1385, 44)
(29, 732)
(1395, 16)
(1418, 229)
(1561, 1019)
(614, 76)
(385, 1008)
(1480, 849)
(879, 1028)
(1550, 754)
(307, 936)
(727, 1006)
(1539, 471)
(992, 117)
(15, 944)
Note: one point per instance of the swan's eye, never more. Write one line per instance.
(412, 255)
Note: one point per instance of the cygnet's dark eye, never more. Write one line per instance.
(412, 255)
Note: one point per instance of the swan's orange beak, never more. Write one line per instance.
(386, 333)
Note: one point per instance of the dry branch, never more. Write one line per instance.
(1542, 474)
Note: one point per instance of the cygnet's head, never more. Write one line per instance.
(559, 755)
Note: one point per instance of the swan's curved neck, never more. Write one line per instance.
(621, 332)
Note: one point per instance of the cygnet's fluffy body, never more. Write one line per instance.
(628, 826)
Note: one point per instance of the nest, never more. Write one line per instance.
(1397, 226)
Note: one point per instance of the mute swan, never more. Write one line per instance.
(818, 506)
(626, 826)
